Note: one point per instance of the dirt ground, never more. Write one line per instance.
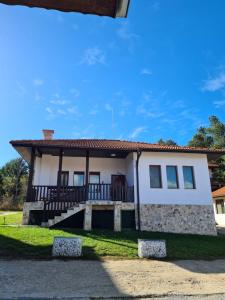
(77, 279)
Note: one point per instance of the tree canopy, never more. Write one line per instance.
(167, 142)
(13, 177)
(212, 136)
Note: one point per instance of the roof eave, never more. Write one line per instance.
(115, 9)
(30, 144)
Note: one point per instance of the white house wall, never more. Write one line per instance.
(201, 195)
(46, 168)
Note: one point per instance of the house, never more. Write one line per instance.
(110, 8)
(215, 184)
(218, 203)
(114, 184)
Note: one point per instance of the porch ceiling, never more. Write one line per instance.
(25, 152)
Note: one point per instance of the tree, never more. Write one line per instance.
(11, 176)
(212, 137)
(201, 139)
(167, 142)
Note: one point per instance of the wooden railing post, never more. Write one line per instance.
(31, 175)
(59, 173)
(87, 175)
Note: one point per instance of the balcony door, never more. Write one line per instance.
(94, 186)
(118, 187)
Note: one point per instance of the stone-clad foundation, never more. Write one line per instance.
(193, 219)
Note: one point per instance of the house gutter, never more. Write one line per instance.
(137, 189)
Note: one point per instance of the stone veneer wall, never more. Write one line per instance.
(194, 219)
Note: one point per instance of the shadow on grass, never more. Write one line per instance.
(16, 249)
(106, 236)
(121, 245)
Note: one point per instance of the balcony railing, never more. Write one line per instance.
(69, 195)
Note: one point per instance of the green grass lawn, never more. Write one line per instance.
(9, 218)
(36, 242)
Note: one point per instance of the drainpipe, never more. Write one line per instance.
(137, 189)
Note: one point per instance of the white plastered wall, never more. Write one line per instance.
(46, 168)
(220, 218)
(199, 196)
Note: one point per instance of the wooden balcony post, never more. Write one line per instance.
(87, 175)
(31, 175)
(59, 173)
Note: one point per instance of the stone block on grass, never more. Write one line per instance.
(67, 246)
(152, 248)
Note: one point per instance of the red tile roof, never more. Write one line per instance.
(219, 193)
(111, 145)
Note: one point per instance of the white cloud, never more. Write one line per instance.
(74, 110)
(150, 113)
(219, 103)
(137, 131)
(214, 84)
(146, 72)
(38, 82)
(93, 56)
(58, 102)
(50, 113)
(129, 37)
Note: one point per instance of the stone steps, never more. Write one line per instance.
(57, 219)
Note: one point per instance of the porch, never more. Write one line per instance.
(65, 197)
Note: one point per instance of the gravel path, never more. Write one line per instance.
(58, 279)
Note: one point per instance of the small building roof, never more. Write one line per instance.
(219, 193)
(110, 8)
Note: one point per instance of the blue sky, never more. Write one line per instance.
(158, 73)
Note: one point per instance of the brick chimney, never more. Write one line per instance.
(48, 134)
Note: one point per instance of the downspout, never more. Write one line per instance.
(137, 190)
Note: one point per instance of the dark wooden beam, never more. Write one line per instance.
(110, 8)
(39, 154)
(137, 191)
(31, 175)
(87, 173)
(59, 172)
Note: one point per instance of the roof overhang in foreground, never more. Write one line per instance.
(110, 8)
(102, 148)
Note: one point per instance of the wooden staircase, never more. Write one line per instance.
(57, 219)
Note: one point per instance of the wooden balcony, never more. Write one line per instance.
(65, 197)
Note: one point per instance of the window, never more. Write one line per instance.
(155, 177)
(64, 178)
(172, 177)
(220, 206)
(94, 177)
(189, 181)
(78, 178)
